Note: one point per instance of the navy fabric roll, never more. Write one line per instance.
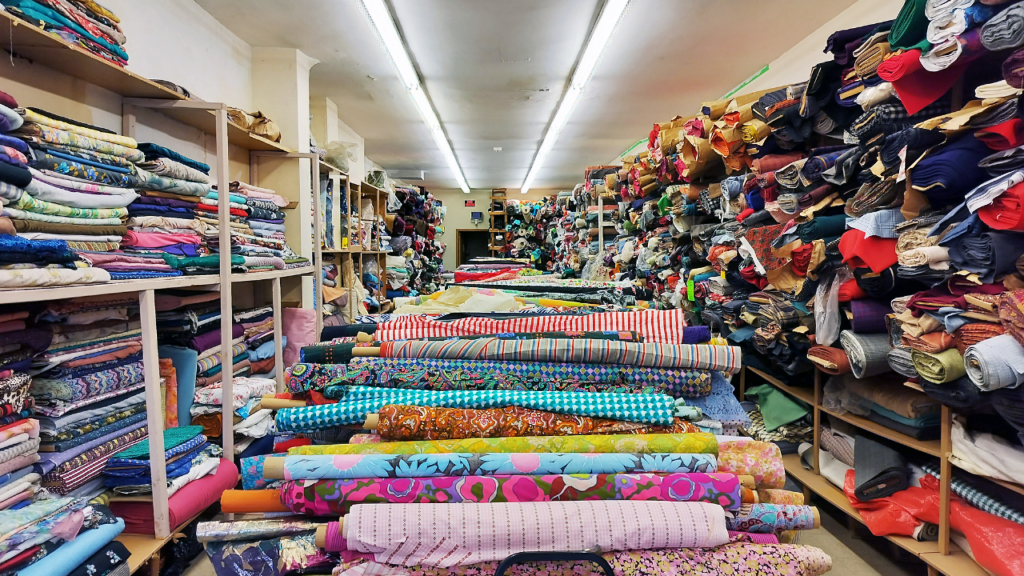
(947, 174)
(869, 316)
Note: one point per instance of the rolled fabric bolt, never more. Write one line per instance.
(269, 401)
(251, 501)
(332, 528)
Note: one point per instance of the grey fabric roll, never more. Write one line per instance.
(900, 361)
(1004, 30)
(879, 470)
(995, 363)
(868, 353)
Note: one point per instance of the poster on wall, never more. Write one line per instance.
(470, 203)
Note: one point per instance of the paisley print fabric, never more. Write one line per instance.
(330, 497)
(701, 443)
(404, 423)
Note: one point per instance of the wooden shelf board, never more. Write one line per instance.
(44, 48)
(930, 447)
(807, 395)
(958, 563)
(271, 274)
(206, 120)
(326, 168)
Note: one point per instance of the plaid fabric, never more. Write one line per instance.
(838, 445)
(694, 356)
(868, 353)
(881, 223)
(967, 488)
(891, 118)
(360, 401)
(664, 326)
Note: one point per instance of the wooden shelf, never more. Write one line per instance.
(326, 168)
(496, 213)
(1008, 485)
(807, 395)
(22, 295)
(956, 564)
(206, 121)
(930, 447)
(271, 274)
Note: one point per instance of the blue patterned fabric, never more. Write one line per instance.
(361, 401)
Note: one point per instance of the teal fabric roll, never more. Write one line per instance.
(184, 361)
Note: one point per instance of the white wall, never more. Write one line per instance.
(796, 63)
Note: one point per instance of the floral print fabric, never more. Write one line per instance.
(328, 497)
(765, 518)
(762, 460)
(40, 133)
(404, 423)
(701, 443)
(431, 465)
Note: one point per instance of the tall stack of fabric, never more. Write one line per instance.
(415, 223)
(526, 230)
(65, 188)
(257, 229)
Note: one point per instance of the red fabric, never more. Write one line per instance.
(282, 447)
(196, 496)
(317, 398)
(875, 253)
(1006, 212)
(22, 557)
(918, 90)
(851, 291)
(1009, 134)
(484, 276)
(901, 65)
(995, 541)
(743, 215)
(802, 258)
(750, 275)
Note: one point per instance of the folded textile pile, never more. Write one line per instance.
(778, 418)
(250, 421)
(416, 266)
(83, 23)
(187, 455)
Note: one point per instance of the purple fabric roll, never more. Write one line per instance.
(869, 316)
(172, 202)
(204, 342)
(696, 334)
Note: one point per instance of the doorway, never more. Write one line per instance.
(471, 244)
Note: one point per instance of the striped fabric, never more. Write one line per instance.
(664, 326)
(694, 356)
(209, 362)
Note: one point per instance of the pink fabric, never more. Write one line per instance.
(157, 239)
(109, 259)
(261, 193)
(4, 505)
(192, 499)
(12, 326)
(28, 426)
(18, 462)
(657, 326)
(438, 535)
(14, 316)
(756, 538)
(299, 326)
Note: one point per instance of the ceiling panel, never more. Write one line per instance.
(495, 71)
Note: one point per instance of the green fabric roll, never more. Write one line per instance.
(940, 368)
(910, 27)
(211, 261)
(822, 227)
(777, 408)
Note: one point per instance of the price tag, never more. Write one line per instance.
(689, 290)
(903, 165)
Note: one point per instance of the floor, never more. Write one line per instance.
(852, 555)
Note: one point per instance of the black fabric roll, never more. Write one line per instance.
(347, 331)
(961, 394)
(1009, 403)
(879, 470)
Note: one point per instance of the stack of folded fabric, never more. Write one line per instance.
(257, 228)
(196, 476)
(776, 417)
(251, 421)
(258, 338)
(65, 188)
(85, 24)
(165, 224)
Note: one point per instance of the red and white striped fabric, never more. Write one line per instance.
(659, 326)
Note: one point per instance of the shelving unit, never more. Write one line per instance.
(496, 229)
(42, 48)
(942, 557)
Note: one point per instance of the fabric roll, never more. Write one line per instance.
(910, 26)
(970, 334)
(995, 363)
(938, 368)
(867, 353)
(640, 443)
(75, 552)
(983, 495)
(407, 423)
(1004, 30)
(960, 394)
(830, 360)
(1011, 314)
(327, 467)
(361, 401)
(880, 471)
(251, 529)
(699, 356)
(868, 316)
(749, 457)
(340, 496)
(901, 361)
(734, 557)
(772, 518)
(394, 533)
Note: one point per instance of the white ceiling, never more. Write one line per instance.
(495, 70)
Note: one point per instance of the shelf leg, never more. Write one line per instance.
(224, 224)
(946, 471)
(154, 416)
(817, 422)
(278, 348)
(743, 382)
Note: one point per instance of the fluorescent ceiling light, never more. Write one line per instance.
(596, 43)
(380, 17)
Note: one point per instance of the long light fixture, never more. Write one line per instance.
(611, 13)
(380, 17)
